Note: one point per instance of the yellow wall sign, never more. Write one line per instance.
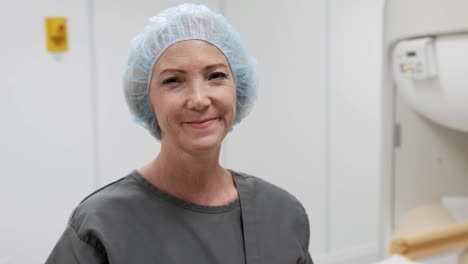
(56, 34)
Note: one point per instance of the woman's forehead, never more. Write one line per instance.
(191, 54)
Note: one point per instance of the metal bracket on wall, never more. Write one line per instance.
(397, 135)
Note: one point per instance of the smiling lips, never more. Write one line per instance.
(202, 123)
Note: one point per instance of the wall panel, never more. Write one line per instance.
(355, 29)
(284, 138)
(46, 152)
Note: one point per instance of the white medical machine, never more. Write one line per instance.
(424, 125)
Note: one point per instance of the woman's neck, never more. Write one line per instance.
(197, 178)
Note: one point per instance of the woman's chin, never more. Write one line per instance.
(204, 144)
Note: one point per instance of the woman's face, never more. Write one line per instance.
(193, 94)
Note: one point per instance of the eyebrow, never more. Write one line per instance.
(205, 69)
(214, 66)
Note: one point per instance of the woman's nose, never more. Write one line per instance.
(198, 99)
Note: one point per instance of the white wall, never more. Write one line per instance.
(283, 141)
(46, 151)
(354, 125)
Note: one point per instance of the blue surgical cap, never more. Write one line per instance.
(185, 22)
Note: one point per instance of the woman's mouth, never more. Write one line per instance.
(203, 123)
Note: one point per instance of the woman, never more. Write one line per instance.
(188, 81)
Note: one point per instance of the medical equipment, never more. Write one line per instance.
(432, 75)
(430, 230)
(424, 121)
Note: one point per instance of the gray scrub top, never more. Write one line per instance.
(132, 221)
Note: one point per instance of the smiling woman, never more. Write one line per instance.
(189, 80)
(193, 94)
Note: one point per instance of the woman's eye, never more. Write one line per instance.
(217, 75)
(170, 81)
